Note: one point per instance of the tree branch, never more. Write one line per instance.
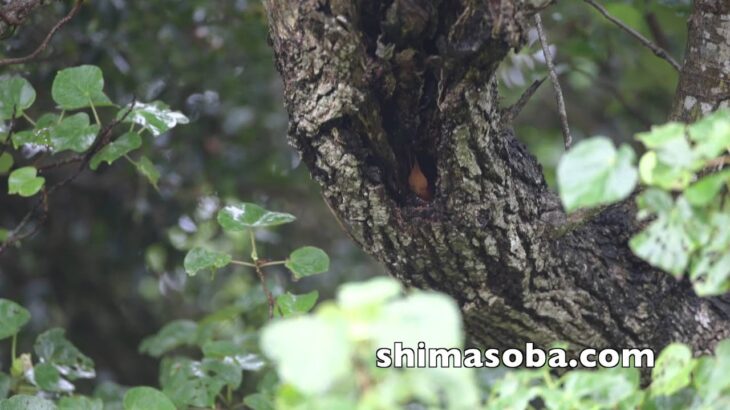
(658, 51)
(46, 41)
(487, 236)
(567, 137)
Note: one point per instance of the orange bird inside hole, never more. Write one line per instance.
(418, 182)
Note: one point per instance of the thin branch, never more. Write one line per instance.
(658, 51)
(46, 41)
(568, 139)
(718, 162)
(66, 161)
(269, 295)
(511, 112)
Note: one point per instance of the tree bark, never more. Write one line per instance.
(704, 84)
(375, 87)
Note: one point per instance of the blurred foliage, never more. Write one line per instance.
(683, 198)
(323, 360)
(107, 264)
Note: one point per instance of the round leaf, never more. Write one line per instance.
(156, 117)
(52, 347)
(24, 182)
(74, 133)
(199, 259)
(146, 398)
(12, 318)
(148, 169)
(6, 162)
(672, 371)
(16, 95)
(128, 142)
(291, 305)
(246, 215)
(312, 363)
(48, 378)
(307, 261)
(80, 403)
(174, 334)
(595, 173)
(24, 402)
(79, 87)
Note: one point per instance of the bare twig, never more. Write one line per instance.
(66, 161)
(658, 51)
(46, 41)
(568, 139)
(269, 295)
(718, 162)
(511, 112)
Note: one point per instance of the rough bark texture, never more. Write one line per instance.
(704, 85)
(374, 87)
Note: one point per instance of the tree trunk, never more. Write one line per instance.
(384, 93)
(704, 84)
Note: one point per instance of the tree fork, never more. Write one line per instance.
(372, 85)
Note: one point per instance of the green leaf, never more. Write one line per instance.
(232, 352)
(244, 216)
(313, 363)
(6, 162)
(12, 318)
(5, 383)
(710, 269)
(111, 394)
(595, 173)
(79, 87)
(227, 371)
(74, 133)
(48, 378)
(128, 142)
(654, 201)
(24, 182)
(292, 305)
(711, 378)
(373, 292)
(604, 389)
(156, 117)
(711, 134)
(259, 401)
(40, 135)
(191, 383)
(669, 241)
(307, 261)
(24, 402)
(80, 403)
(173, 335)
(672, 370)
(702, 192)
(427, 317)
(52, 347)
(198, 259)
(663, 244)
(146, 398)
(660, 135)
(16, 95)
(148, 169)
